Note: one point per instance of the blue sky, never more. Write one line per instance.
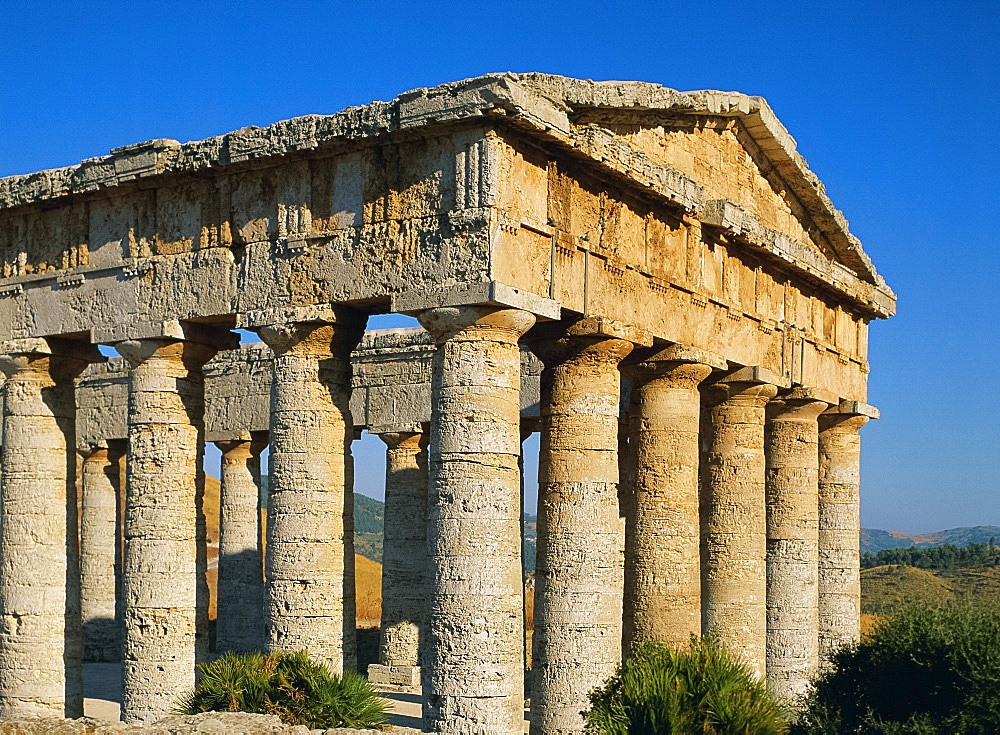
(893, 104)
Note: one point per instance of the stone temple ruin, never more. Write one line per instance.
(551, 235)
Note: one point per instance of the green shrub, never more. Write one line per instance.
(699, 689)
(286, 684)
(925, 671)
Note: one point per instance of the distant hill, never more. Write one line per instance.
(874, 540)
(369, 525)
(885, 589)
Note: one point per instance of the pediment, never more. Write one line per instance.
(719, 154)
(727, 142)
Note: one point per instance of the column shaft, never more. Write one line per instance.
(165, 589)
(40, 646)
(239, 623)
(578, 575)
(404, 558)
(309, 599)
(839, 529)
(473, 675)
(662, 568)
(733, 573)
(100, 560)
(790, 448)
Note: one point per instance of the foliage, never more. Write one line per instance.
(927, 670)
(698, 689)
(945, 557)
(287, 684)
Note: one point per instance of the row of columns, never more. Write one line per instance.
(760, 546)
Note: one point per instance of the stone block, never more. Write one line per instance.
(406, 678)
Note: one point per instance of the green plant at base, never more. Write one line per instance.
(928, 671)
(287, 684)
(698, 689)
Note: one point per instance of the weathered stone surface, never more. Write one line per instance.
(100, 556)
(391, 385)
(578, 574)
(405, 566)
(305, 213)
(309, 565)
(165, 590)
(792, 465)
(473, 675)
(839, 525)
(239, 623)
(40, 643)
(733, 539)
(481, 206)
(662, 535)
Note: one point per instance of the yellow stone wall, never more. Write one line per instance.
(719, 154)
(641, 262)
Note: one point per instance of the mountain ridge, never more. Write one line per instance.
(876, 539)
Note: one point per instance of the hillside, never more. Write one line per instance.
(885, 589)
(874, 540)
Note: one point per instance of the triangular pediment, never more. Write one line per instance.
(731, 144)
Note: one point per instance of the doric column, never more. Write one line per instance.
(840, 524)
(578, 574)
(733, 541)
(40, 647)
(309, 564)
(165, 589)
(790, 449)
(100, 560)
(662, 563)
(473, 675)
(404, 559)
(239, 625)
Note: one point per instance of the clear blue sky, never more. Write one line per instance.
(895, 106)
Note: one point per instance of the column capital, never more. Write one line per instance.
(413, 440)
(227, 446)
(447, 322)
(678, 362)
(752, 385)
(34, 353)
(797, 404)
(259, 441)
(593, 338)
(847, 417)
(191, 343)
(93, 450)
(315, 331)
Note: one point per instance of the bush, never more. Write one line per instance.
(288, 685)
(928, 670)
(699, 689)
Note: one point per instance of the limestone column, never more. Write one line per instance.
(40, 647)
(733, 540)
(309, 563)
(578, 574)
(840, 524)
(662, 564)
(404, 560)
(239, 623)
(791, 453)
(100, 560)
(165, 589)
(473, 675)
